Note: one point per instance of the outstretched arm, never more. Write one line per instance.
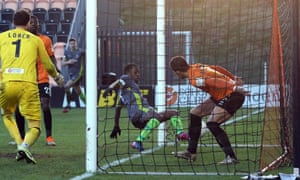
(117, 115)
(116, 130)
(115, 85)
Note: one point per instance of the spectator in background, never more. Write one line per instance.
(73, 60)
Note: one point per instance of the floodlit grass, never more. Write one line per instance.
(67, 159)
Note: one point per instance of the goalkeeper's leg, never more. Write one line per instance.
(33, 134)
(30, 138)
(12, 128)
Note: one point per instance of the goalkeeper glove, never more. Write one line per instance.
(107, 92)
(115, 131)
(59, 79)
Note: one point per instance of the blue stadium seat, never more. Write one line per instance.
(52, 27)
(54, 15)
(4, 25)
(7, 14)
(62, 36)
(65, 26)
(68, 14)
(41, 14)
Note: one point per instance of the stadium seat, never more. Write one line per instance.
(60, 4)
(4, 25)
(45, 4)
(51, 35)
(68, 14)
(65, 26)
(51, 27)
(11, 4)
(62, 36)
(41, 14)
(7, 14)
(71, 3)
(29, 4)
(54, 15)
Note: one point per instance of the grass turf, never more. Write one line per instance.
(67, 159)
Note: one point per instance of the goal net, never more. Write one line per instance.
(252, 39)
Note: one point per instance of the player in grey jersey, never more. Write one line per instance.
(140, 113)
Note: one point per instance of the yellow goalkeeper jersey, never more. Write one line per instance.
(19, 50)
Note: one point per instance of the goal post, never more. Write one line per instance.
(91, 87)
(160, 95)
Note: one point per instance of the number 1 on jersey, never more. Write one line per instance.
(17, 43)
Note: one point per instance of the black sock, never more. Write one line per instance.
(20, 121)
(221, 138)
(68, 94)
(194, 132)
(48, 122)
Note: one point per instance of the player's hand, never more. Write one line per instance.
(72, 61)
(2, 87)
(59, 79)
(107, 92)
(115, 132)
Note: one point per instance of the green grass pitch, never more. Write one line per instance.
(67, 159)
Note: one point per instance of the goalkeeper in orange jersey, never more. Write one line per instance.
(141, 114)
(19, 50)
(43, 84)
(226, 97)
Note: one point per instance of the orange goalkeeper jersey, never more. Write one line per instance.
(215, 80)
(43, 76)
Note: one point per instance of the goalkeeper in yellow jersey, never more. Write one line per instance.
(19, 51)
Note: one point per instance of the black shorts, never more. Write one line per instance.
(44, 89)
(141, 119)
(232, 102)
